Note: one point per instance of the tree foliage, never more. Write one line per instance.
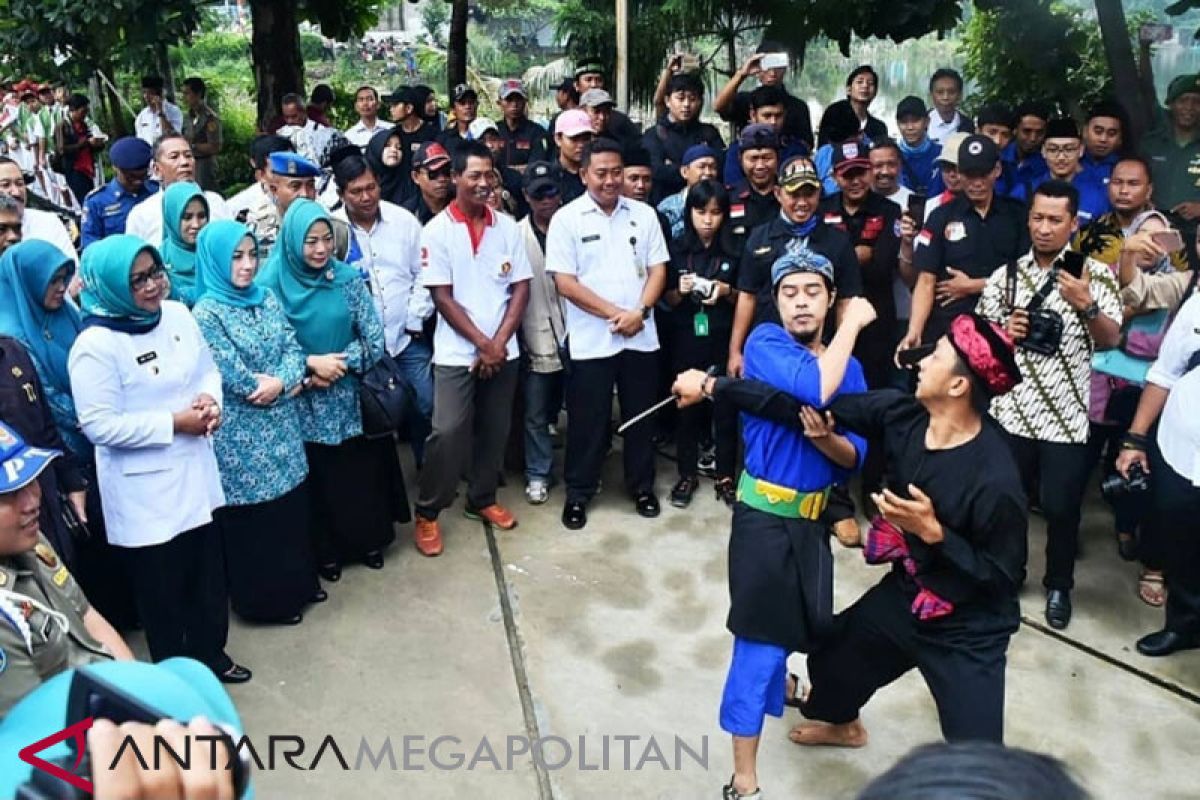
(1037, 49)
(589, 29)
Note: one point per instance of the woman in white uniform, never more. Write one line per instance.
(148, 396)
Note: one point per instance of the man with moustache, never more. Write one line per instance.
(174, 162)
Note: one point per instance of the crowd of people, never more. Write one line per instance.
(973, 315)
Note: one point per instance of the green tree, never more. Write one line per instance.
(95, 37)
(588, 27)
(435, 16)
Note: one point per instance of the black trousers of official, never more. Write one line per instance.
(179, 588)
(1176, 519)
(695, 423)
(1061, 472)
(589, 410)
(878, 641)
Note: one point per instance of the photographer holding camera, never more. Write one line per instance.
(1059, 308)
(1170, 459)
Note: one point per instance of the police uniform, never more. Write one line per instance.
(263, 218)
(106, 209)
(41, 622)
(204, 128)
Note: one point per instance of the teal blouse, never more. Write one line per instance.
(260, 449)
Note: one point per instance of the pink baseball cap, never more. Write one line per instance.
(573, 123)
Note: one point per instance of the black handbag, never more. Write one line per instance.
(384, 393)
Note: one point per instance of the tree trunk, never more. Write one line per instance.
(275, 51)
(456, 47)
(162, 63)
(112, 105)
(1119, 53)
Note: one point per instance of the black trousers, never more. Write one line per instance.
(179, 588)
(695, 423)
(80, 184)
(878, 641)
(1061, 472)
(1176, 509)
(589, 410)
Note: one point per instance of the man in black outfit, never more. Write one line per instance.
(799, 195)
(963, 242)
(676, 131)
(953, 526)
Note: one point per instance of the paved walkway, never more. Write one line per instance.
(618, 631)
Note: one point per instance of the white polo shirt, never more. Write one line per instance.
(359, 134)
(1178, 431)
(389, 256)
(481, 274)
(612, 256)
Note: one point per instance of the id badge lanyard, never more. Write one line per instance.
(700, 318)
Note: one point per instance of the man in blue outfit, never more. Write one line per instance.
(780, 565)
(106, 209)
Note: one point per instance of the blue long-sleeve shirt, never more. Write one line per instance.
(781, 455)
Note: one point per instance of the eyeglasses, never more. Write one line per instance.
(138, 282)
(434, 174)
(1064, 150)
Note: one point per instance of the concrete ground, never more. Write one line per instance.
(618, 630)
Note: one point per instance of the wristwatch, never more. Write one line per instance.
(646, 311)
(1092, 311)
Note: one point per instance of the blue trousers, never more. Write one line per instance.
(754, 687)
(414, 362)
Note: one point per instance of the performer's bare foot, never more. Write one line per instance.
(825, 734)
(848, 533)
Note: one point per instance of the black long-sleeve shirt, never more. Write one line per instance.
(975, 489)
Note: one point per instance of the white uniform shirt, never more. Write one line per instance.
(360, 134)
(391, 262)
(47, 227)
(149, 127)
(145, 220)
(154, 484)
(481, 275)
(940, 129)
(612, 256)
(247, 199)
(1179, 430)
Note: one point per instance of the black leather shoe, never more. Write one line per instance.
(1165, 642)
(574, 516)
(374, 559)
(647, 505)
(295, 619)
(1058, 608)
(330, 572)
(235, 674)
(319, 596)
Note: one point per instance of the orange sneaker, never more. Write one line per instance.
(495, 514)
(427, 536)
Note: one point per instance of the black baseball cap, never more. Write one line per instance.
(539, 179)
(977, 155)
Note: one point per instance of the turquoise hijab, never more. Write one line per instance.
(107, 298)
(214, 265)
(312, 299)
(180, 258)
(25, 272)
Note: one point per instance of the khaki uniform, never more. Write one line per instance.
(204, 128)
(41, 623)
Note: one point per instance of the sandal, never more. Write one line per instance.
(725, 491)
(1151, 589)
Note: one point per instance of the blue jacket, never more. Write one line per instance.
(1020, 179)
(106, 209)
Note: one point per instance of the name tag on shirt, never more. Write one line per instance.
(146, 358)
(595, 237)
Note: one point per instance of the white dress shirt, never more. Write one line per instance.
(247, 199)
(145, 220)
(149, 126)
(1179, 430)
(154, 484)
(47, 227)
(390, 261)
(481, 275)
(611, 255)
(359, 134)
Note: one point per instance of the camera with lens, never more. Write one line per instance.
(1117, 485)
(703, 287)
